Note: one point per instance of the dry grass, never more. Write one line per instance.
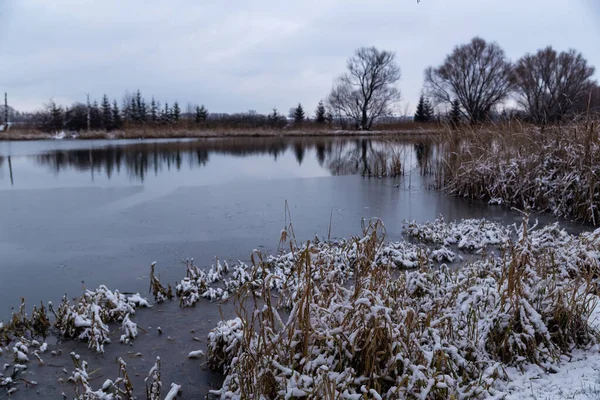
(193, 132)
(431, 333)
(554, 170)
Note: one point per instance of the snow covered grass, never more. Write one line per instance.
(556, 170)
(88, 317)
(356, 325)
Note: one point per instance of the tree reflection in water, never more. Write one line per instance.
(340, 156)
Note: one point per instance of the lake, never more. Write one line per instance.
(83, 213)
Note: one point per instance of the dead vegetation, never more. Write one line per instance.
(552, 170)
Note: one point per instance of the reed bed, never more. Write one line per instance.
(347, 321)
(553, 170)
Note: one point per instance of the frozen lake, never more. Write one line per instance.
(80, 213)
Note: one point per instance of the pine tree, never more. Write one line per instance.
(420, 114)
(166, 114)
(133, 111)
(176, 112)
(429, 112)
(107, 117)
(455, 114)
(320, 113)
(153, 110)
(274, 118)
(140, 107)
(299, 115)
(201, 114)
(56, 118)
(116, 116)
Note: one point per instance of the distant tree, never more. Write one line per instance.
(367, 91)
(201, 114)
(429, 111)
(320, 113)
(455, 113)
(420, 114)
(166, 115)
(53, 121)
(116, 116)
(551, 84)
(140, 108)
(153, 110)
(127, 113)
(176, 112)
(95, 116)
(299, 114)
(274, 118)
(477, 74)
(76, 117)
(107, 117)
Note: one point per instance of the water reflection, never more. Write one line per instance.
(365, 156)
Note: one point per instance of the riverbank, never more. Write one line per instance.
(167, 133)
(466, 309)
(555, 170)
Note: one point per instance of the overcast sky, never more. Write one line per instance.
(234, 55)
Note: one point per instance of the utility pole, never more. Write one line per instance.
(88, 112)
(6, 110)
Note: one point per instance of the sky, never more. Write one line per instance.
(235, 56)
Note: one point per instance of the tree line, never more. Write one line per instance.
(474, 79)
(471, 84)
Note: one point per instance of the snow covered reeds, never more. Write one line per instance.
(555, 170)
(346, 323)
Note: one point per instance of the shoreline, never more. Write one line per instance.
(388, 285)
(18, 135)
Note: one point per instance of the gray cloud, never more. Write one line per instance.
(237, 55)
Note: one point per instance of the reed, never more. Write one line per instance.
(552, 170)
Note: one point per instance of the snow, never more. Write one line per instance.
(576, 377)
(196, 354)
(59, 135)
(173, 392)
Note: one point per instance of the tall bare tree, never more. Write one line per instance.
(551, 85)
(367, 91)
(477, 74)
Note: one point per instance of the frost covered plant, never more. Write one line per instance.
(555, 170)
(197, 283)
(118, 389)
(426, 333)
(88, 317)
(468, 234)
(160, 292)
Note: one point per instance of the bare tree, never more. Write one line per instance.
(367, 91)
(477, 74)
(550, 85)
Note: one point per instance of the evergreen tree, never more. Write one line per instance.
(140, 108)
(176, 112)
(153, 110)
(56, 118)
(299, 114)
(166, 114)
(201, 114)
(420, 114)
(107, 117)
(133, 110)
(320, 113)
(429, 112)
(95, 116)
(116, 116)
(274, 118)
(455, 113)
